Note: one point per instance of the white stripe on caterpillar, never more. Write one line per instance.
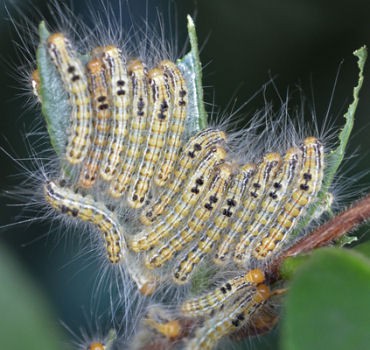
(119, 89)
(69, 203)
(261, 182)
(219, 223)
(273, 200)
(159, 102)
(137, 129)
(232, 318)
(193, 151)
(214, 300)
(204, 215)
(257, 186)
(235, 194)
(176, 125)
(176, 213)
(309, 183)
(101, 103)
(211, 189)
(73, 76)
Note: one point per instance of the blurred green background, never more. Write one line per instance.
(243, 44)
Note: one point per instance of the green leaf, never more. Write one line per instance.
(327, 307)
(290, 265)
(363, 248)
(26, 321)
(335, 157)
(191, 68)
(55, 104)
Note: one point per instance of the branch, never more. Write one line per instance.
(335, 228)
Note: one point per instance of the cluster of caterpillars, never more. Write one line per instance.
(194, 202)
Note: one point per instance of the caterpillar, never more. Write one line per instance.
(182, 197)
(101, 121)
(215, 299)
(229, 319)
(86, 209)
(196, 222)
(73, 76)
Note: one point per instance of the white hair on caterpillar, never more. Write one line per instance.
(132, 287)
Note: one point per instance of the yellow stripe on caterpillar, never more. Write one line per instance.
(191, 154)
(261, 182)
(203, 212)
(193, 151)
(215, 299)
(273, 200)
(176, 125)
(219, 224)
(72, 73)
(137, 129)
(229, 320)
(306, 190)
(119, 89)
(101, 103)
(159, 101)
(69, 203)
(176, 213)
(223, 221)
(257, 186)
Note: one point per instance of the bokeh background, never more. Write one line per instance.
(301, 43)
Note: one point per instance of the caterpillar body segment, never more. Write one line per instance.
(86, 209)
(216, 299)
(138, 129)
(193, 151)
(229, 320)
(72, 73)
(220, 222)
(197, 205)
(273, 200)
(176, 125)
(159, 100)
(223, 220)
(192, 191)
(200, 219)
(257, 186)
(309, 183)
(262, 181)
(119, 89)
(101, 103)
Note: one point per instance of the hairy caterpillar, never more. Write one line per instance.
(75, 83)
(102, 186)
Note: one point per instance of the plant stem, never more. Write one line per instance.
(333, 229)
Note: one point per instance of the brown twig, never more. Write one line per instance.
(335, 228)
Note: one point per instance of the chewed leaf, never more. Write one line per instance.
(192, 70)
(335, 157)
